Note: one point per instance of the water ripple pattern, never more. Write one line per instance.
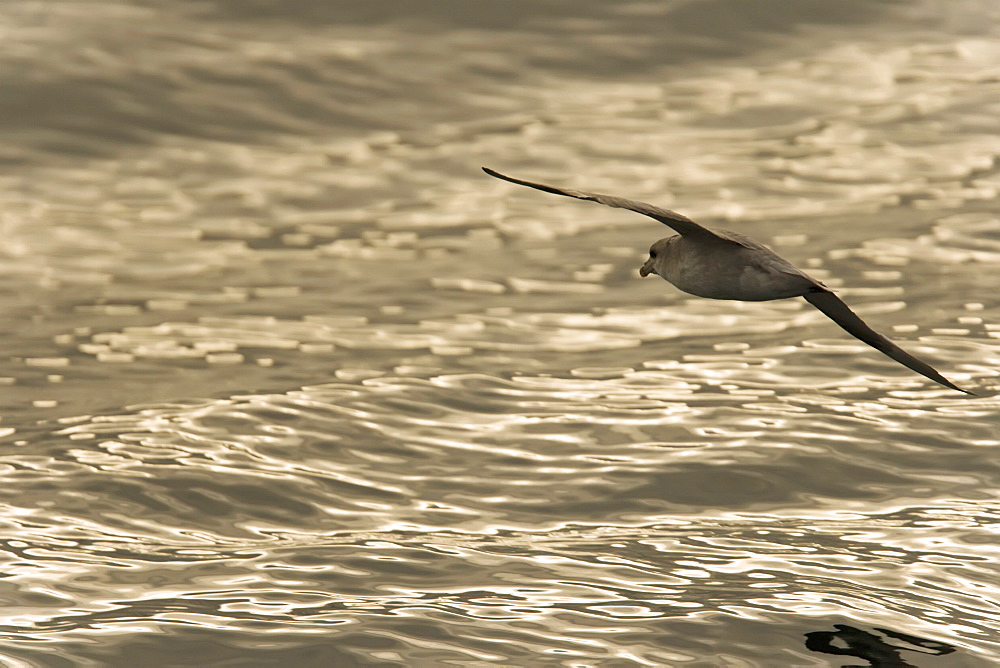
(287, 381)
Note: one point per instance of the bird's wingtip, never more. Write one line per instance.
(953, 386)
(503, 177)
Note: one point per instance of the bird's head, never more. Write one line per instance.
(657, 254)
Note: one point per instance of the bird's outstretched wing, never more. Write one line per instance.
(680, 224)
(831, 305)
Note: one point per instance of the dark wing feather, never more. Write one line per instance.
(831, 305)
(680, 224)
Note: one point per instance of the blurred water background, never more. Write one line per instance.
(286, 380)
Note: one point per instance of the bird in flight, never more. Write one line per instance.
(724, 265)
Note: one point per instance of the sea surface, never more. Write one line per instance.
(287, 380)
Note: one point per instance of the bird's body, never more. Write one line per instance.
(724, 265)
(726, 269)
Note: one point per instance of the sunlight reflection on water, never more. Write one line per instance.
(289, 381)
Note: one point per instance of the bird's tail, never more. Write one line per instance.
(835, 309)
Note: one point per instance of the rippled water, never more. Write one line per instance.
(288, 380)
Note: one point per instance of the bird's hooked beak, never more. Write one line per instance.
(647, 268)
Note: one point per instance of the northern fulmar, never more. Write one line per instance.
(724, 265)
